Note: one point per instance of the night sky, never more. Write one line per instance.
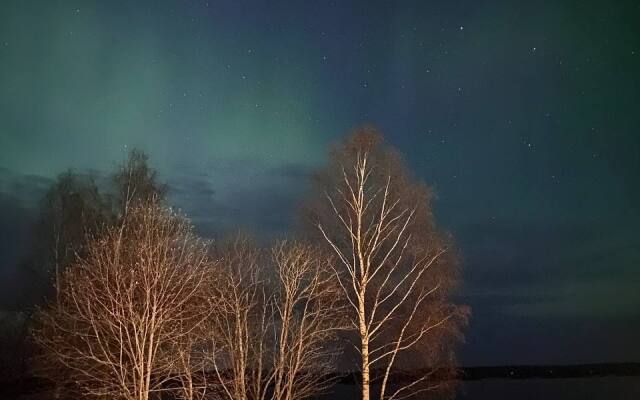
(522, 115)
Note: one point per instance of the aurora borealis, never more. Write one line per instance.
(524, 118)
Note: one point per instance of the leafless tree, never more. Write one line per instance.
(309, 313)
(72, 209)
(75, 208)
(396, 270)
(126, 308)
(276, 320)
(241, 321)
(136, 181)
(191, 360)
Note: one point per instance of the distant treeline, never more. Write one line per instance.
(551, 371)
(525, 372)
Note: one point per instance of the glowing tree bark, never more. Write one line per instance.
(126, 305)
(276, 322)
(394, 267)
(309, 315)
(241, 321)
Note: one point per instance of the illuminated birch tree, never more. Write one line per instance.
(395, 268)
(124, 308)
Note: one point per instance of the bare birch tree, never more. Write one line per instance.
(241, 320)
(191, 357)
(395, 268)
(276, 322)
(309, 313)
(125, 306)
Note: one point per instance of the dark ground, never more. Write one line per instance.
(572, 382)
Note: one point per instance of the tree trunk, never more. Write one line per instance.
(364, 337)
(365, 370)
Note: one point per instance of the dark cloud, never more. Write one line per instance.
(240, 194)
(499, 253)
(26, 189)
(297, 172)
